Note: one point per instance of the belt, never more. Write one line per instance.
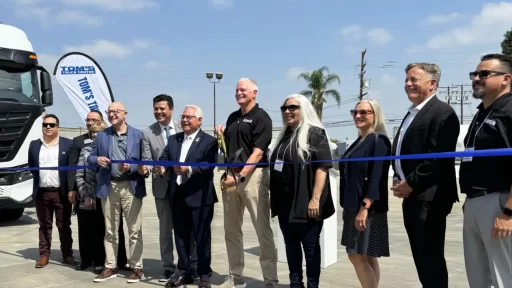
(49, 189)
(479, 194)
(119, 179)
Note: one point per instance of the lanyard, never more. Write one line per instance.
(478, 129)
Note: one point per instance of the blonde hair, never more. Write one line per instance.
(97, 127)
(308, 119)
(378, 125)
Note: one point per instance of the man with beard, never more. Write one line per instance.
(486, 181)
(89, 229)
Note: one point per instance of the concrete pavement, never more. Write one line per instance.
(18, 253)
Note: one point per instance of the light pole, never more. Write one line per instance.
(218, 76)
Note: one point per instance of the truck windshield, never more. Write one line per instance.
(18, 83)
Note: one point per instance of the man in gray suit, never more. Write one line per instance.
(153, 144)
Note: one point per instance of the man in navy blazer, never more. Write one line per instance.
(192, 195)
(51, 190)
(120, 186)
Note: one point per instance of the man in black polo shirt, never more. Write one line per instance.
(487, 181)
(249, 128)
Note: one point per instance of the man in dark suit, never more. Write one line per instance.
(91, 227)
(428, 186)
(51, 190)
(192, 195)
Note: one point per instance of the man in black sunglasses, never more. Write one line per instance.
(51, 190)
(486, 181)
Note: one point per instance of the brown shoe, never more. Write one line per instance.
(70, 260)
(135, 276)
(106, 274)
(42, 262)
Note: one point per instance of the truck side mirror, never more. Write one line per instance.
(46, 89)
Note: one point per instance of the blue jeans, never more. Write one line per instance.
(307, 234)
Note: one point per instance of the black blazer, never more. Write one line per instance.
(79, 143)
(365, 179)
(434, 129)
(199, 188)
(33, 161)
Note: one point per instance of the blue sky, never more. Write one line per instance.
(148, 47)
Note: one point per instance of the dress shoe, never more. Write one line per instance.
(204, 283)
(42, 262)
(70, 260)
(82, 266)
(180, 281)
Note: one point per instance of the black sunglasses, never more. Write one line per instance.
(362, 112)
(482, 74)
(290, 108)
(51, 125)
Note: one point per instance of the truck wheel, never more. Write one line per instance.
(11, 214)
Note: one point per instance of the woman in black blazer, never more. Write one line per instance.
(364, 194)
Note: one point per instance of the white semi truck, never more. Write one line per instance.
(22, 102)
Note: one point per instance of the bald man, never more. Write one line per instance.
(120, 186)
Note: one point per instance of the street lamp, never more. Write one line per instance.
(218, 76)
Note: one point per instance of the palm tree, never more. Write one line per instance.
(318, 84)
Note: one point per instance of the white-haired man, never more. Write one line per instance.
(250, 129)
(192, 195)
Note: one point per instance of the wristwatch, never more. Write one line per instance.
(240, 178)
(365, 205)
(507, 211)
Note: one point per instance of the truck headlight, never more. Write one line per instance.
(22, 176)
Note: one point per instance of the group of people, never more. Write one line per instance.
(290, 181)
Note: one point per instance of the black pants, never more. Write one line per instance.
(193, 224)
(307, 234)
(91, 236)
(426, 228)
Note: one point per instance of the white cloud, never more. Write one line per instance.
(435, 19)
(486, 28)
(294, 72)
(379, 36)
(114, 5)
(50, 16)
(356, 33)
(107, 48)
(221, 4)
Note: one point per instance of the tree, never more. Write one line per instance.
(318, 83)
(506, 44)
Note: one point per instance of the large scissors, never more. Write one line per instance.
(230, 169)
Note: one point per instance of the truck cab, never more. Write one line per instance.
(22, 102)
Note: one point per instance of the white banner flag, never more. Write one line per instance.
(84, 82)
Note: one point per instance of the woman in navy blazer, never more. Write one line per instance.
(364, 194)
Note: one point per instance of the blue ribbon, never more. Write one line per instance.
(458, 154)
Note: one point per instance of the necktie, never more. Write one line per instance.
(167, 132)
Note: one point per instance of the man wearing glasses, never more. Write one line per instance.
(486, 181)
(120, 186)
(89, 229)
(51, 190)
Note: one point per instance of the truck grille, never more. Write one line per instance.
(11, 127)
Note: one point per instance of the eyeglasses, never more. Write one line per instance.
(483, 74)
(290, 108)
(115, 112)
(51, 125)
(89, 120)
(362, 112)
(188, 117)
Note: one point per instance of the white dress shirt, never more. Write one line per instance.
(187, 142)
(49, 157)
(413, 111)
(172, 131)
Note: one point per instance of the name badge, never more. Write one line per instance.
(87, 141)
(279, 165)
(468, 158)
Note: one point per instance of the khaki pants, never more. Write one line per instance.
(121, 196)
(253, 194)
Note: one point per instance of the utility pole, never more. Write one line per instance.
(449, 96)
(361, 76)
(462, 102)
